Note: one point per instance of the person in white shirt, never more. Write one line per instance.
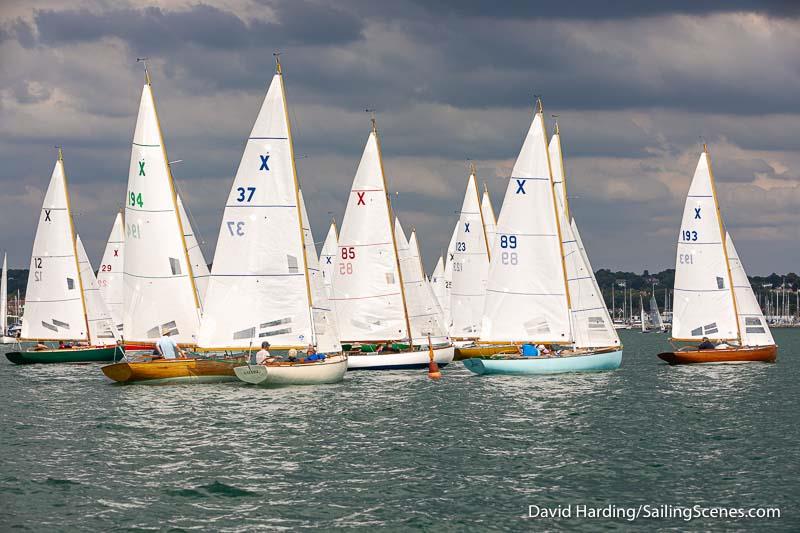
(263, 356)
(167, 347)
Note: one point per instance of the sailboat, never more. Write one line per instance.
(431, 304)
(448, 278)
(266, 283)
(109, 277)
(489, 220)
(541, 288)
(470, 270)
(159, 291)
(4, 337)
(56, 307)
(643, 318)
(437, 283)
(713, 297)
(655, 316)
(327, 255)
(369, 293)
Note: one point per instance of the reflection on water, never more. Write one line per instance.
(397, 449)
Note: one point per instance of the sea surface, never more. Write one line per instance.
(397, 450)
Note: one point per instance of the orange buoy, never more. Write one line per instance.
(433, 368)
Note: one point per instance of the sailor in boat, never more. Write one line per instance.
(292, 355)
(312, 355)
(167, 347)
(706, 344)
(528, 350)
(263, 356)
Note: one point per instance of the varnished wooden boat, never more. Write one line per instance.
(483, 350)
(167, 371)
(764, 354)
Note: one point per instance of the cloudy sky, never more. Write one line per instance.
(635, 88)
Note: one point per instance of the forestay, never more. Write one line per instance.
(102, 330)
(196, 259)
(159, 292)
(367, 290)
(327, 257)
(109, 277)
(325, 330)
(703, 305)
(526, 297)
(470, 267)
(258, 290)
(755, 331)
(53, 301)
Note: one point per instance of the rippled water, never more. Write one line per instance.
(396, 449)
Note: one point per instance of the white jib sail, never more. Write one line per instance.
(591, 321)
(703, 305)
(159, 293)
(258, 290)
(109, 277)
(489, 220)
(422, 312)
(366, 282)
(470, 268)
(327, 257)
(53, 301)
(655, 316)
(448, 278)
(325, 329)
(102, 330)
(4, 297)
(526, 297)
(196, 259)
(755, 331)
(433, 309)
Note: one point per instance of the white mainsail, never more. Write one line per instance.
(437, 284)
(4, 297)
(489, 220)
(258, 290)
(526, 297)
(109, 277)
(325, 332)
(102, 330)
(470, 267)
(703, 305)
(431, 302)
(54, 307)
(159, 291)
(422, 313)
(196, 259)
(327, 257)
(367, 285)
(655, 316)
(755, 331)
(448, 277)
(642, 314)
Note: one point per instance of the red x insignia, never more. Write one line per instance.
(361, 198)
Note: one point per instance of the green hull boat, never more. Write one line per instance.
(74, 355)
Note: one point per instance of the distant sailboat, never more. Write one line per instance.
(327, 256)
(448, 279)
(109, 277)
(655, 316)
(55, 301)
(713, 297)
(4, 337)
(470, 269)
(541, 289)
(368, 291)
(643, 318)
(437, 284)
(159, 291)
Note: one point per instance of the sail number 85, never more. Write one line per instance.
(346, 268)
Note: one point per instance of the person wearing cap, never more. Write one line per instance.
(263, 356)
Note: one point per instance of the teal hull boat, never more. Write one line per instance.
(523, 366)
(75, 355)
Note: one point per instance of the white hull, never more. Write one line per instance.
(7, 340)
(399, 361)
(329, 371)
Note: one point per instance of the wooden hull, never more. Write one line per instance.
(399, 361)
(591, 362)
(763, 354)
(317, 373)
(77, 355)
(482, 350)
(164, 372)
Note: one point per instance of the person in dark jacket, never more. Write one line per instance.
(706, 344)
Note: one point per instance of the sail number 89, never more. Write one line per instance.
(508, 241)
